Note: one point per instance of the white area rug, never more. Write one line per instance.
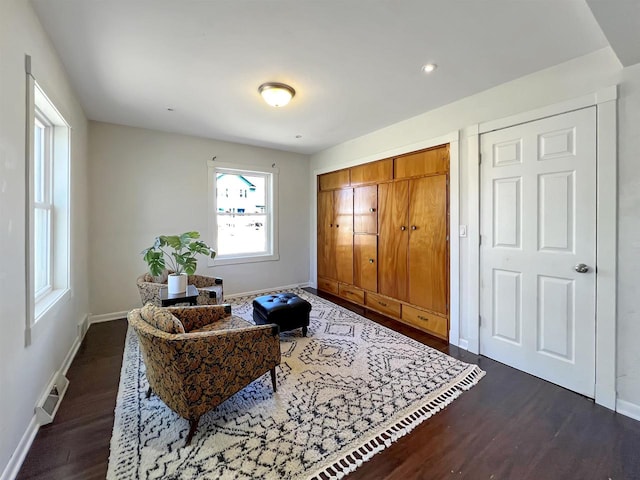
(346, 392)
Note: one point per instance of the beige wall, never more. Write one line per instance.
(578, 77)
(26, 371)
(144, 183)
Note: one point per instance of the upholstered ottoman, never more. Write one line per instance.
(287, 310)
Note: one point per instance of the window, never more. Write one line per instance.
(42, 204)
(48, 265)
(243, 213)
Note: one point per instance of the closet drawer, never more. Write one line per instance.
(327, 285)
(428, 322)
(351, 293)
(383, 305)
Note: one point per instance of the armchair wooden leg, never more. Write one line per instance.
(304, 331)
(149, 393)
(273, 379)
(193, 426)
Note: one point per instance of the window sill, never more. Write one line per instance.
(248, 259)
(50, 300)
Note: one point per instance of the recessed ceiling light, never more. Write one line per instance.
(170, 109)
(298, 136)
(429, 67)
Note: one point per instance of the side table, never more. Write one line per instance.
(190, 296)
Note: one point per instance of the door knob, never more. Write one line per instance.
(372, 210)
(581, 268)
(371, 260)
(413, 227)
(403, 228)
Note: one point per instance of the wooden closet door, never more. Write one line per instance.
(393, 225)
(365, 261)
(326, 236)
(365, 209)
(343, 203)
(428, 269)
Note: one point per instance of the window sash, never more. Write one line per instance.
(267, 213)
(42, 206)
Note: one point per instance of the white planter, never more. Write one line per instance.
(177, 283)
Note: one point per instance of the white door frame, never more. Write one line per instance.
(454, 216)
(605, 101)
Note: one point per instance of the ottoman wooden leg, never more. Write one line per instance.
(304, 331)
(273, 379)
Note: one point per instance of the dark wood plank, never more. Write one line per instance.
(510, 426)
(76, 444)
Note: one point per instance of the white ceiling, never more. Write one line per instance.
(354, 64)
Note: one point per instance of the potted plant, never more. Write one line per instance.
(178, 254)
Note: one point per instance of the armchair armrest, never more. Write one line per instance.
(202, 281)
(198, 316)
(150, 292)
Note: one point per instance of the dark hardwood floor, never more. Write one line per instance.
(510, 426)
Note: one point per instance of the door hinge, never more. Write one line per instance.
(479, 320)
(479, 239)
(479, 158)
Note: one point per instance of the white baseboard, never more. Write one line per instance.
(628, 409)
(463, 344)
(270, 289)
(107, 317)
(15, 461)
(20, 453)
(83, 326)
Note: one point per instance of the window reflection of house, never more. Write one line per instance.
(240, 193)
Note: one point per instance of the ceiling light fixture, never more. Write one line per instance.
(276, 94)
(429, 67)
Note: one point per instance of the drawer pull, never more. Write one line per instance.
(423, 318)
(382, 303)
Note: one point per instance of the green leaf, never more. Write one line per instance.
(174, 241)
(190, 265)
(155, 260)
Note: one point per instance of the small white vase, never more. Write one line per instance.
(177, 283)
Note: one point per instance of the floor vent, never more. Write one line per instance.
(49, 403)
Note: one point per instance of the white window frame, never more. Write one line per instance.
(46, 201)
(56, 200)
(271, 224)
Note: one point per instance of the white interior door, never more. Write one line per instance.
(537, 226)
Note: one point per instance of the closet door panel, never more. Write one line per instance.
(428, 269)
(365, 209)
(365, 261)
(393, 201)
(326, 237)
(343, 227)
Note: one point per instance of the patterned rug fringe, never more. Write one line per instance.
(354, 459)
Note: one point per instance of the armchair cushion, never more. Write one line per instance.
(195, 318)
(161, 318)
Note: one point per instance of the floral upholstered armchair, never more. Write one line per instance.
(197, 357)
(210, 290)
